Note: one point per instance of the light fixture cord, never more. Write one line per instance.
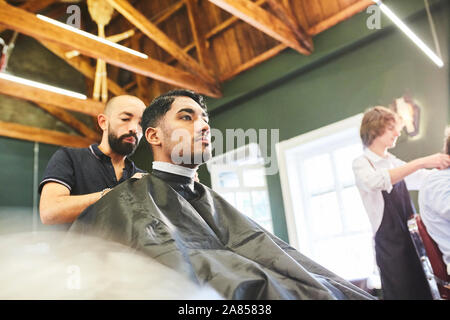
(433, 29)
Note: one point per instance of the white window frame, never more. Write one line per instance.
(286, 153)
(231, 162)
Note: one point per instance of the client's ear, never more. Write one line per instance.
(152, 136)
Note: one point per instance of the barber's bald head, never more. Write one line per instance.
(120, 102)
(121, 123)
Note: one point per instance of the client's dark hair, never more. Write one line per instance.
(160, 105)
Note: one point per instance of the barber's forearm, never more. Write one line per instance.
(399, 173)
(65, 209)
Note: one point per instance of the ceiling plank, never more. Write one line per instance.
(285, 14)
(262, 20)
(198, 35)
(216, 30)
(83, 65)
(36, 95)
(22, 132)
(253, 62)
(141, 81)
(30, 25)
(160, 38)
(162, 16)
(70, 120)
(340, 16)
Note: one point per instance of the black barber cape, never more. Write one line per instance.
(208, 240)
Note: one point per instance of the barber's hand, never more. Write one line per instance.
(438, 160)
(196, 177)
(139, 175)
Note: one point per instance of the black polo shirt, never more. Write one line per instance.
(84, 170)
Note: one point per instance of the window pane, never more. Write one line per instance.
(261, 205)
(266, 224)
(325, 216)
(230, 197)
(228, 179)
(244, 204)
(343, 159)
(350, 257)
(254, 178)
(318, 174)
(355, 215)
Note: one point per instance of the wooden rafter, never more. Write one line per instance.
(141, 81)
(167, 13)
(71, 121)
(340, 16)
(83, 65)
(162, 16)
(160, 38)
(22, 132)
(253, 62)
(34, 6)
(36, 95)
(314, 30)
(199, 38)
(29, 24)
(285, 14)
(263, 21)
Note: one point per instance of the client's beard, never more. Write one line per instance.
(123, 148)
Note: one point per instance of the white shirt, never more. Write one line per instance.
(175, 169)
(434, 203)
(372, 181)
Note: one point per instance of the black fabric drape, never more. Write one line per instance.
(210, 241)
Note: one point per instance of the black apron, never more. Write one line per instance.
(402, 275)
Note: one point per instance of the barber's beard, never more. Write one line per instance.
(119, 146)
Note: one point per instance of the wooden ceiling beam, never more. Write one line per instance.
(83, 65)
(253, 62)
(199, 38)
(141, 81)
(162, 16)
(285, 14)
(340, 16)
(160, 38)
(71, 121)
(22, 132)
(216, 30)
(36, 95)
(27, 23)
(262, 20)
(166, 14)
(33, 6)
(322, 26)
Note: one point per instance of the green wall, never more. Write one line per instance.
(351, 69)
(17, 165)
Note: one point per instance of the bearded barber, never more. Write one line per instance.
(75, 178)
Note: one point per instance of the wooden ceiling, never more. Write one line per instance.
(195, 44)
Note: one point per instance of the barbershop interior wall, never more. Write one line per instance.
(18, 184)
(290, 92)
(380, 66)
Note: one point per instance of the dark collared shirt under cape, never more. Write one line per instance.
(202, 236)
